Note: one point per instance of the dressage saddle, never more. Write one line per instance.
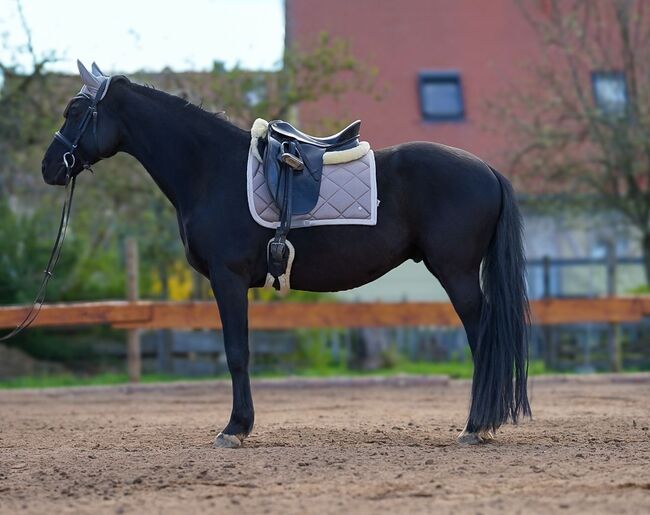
(293, 167)
(288, 149)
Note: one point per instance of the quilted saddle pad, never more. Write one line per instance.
(348, 195)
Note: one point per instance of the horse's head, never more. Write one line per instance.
(89, 133)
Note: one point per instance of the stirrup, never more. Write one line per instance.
(292, 161)
(279, 273)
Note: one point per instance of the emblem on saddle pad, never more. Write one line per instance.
(296, 180)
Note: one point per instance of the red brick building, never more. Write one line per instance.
(441, 61)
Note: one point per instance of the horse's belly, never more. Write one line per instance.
(342, 257)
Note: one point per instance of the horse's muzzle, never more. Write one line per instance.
(53, 177)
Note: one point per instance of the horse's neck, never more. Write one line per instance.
(171, 146)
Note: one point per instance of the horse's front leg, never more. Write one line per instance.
(231, 291)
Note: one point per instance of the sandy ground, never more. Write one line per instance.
(356, 448)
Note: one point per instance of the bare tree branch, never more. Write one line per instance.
(566, 141)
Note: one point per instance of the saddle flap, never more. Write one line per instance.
(306, 182)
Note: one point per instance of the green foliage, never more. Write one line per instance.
(27, 239)
(312, 354)
(325, 69)
(62, 380)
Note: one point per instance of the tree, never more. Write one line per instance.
(582, 123)
(325, 69)
(24, 113)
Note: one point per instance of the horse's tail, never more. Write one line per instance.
(499, 390)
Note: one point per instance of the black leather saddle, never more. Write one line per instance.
(348, 135)
(293, 167)
(290, 150)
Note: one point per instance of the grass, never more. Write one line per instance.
(60, 380)
(456, 370)
(453, 369)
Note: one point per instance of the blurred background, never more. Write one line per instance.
(553, 93)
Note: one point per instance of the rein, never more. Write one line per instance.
(35, 309)
(69, 160)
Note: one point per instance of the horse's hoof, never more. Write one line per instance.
(467, 438)
(223, 441)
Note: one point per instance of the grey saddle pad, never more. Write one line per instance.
(348, 195)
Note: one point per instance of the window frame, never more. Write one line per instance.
(441, 76)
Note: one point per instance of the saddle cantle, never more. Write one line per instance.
(292, 162)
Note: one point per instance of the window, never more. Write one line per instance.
(441, 97)
(255, 95)
(610, 92)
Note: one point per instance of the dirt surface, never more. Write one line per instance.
(358, 448)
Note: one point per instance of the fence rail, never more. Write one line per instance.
(270, 316)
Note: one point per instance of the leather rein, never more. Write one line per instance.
(69, 159)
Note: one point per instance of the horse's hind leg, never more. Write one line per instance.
(464, 290)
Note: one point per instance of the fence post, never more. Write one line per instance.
(133, 358)
(547, 330)
(613, 333)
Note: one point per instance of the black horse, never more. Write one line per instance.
(439, 205)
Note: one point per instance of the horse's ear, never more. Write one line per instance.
(88, 78)
(96, 71)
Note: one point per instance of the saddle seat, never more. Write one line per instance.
(338, 140)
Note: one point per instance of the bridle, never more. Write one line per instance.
(69, 160)
(69, 157)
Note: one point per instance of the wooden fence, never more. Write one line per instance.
(134, 315)
(285, 315)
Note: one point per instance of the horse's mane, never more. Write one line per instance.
(180, 104)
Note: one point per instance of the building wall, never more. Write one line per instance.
(488, 42)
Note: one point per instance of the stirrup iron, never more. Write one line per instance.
(292, 161)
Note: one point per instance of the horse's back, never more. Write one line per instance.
(451, 167)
